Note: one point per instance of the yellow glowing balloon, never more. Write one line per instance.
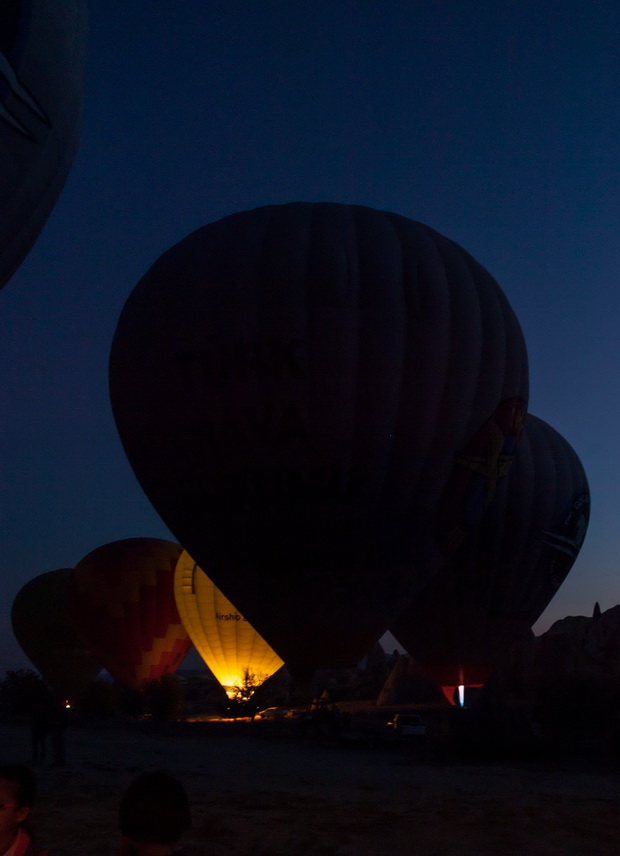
(224, 638)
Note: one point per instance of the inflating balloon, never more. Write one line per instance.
(505, 574)
(42, 51)
(293, 386)
(121, 601)
(232, 649)
(46, 636)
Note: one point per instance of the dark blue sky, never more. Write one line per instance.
(494, 122)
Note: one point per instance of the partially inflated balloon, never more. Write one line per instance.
(46, 636)
(121, 600)
(505, 574)
(42, 50)
(293, 386)
(224, 638)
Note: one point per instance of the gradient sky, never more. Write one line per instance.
(494, 122)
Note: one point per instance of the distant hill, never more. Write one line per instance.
(581, 646)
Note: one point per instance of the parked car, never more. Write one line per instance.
(407, 725)
(273, 713)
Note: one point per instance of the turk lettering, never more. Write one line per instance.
(309, 483)
(269, 423)
(220, 363)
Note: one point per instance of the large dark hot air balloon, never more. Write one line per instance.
(121, 602)
(46, 636)
(504, 575)
(42, 49)
(293, 386)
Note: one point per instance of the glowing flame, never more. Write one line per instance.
(461, 695)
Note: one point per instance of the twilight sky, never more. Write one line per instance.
(494, 122)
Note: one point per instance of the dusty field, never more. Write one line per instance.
(279, 796)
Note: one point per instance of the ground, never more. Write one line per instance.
(259, 793)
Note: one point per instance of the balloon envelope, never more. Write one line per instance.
(42, 51)
(292, 385)
(506, 573)
(224, 638)
(45, 634)
(121, 601)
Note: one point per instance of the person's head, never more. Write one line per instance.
(154, 810)
(18, 788)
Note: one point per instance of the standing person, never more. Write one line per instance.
(153, 815)
(57, 723)
(41, 715)
(39, 729)
(17, 793)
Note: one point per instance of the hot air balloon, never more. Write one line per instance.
(224, 638)
(292, 386)
(503, 577)
(42, 53)
(41, 626)
(121, 602)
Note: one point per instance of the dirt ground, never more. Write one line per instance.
(258, 793)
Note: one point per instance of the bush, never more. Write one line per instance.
(99, 700)
(23, 692)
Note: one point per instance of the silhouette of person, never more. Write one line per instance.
(39, 729)
(57, 725)
(153, 815)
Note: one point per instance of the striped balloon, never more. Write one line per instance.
(121, 601)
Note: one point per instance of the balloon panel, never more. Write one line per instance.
(322, 366)
(225, 639)
(121, 598)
